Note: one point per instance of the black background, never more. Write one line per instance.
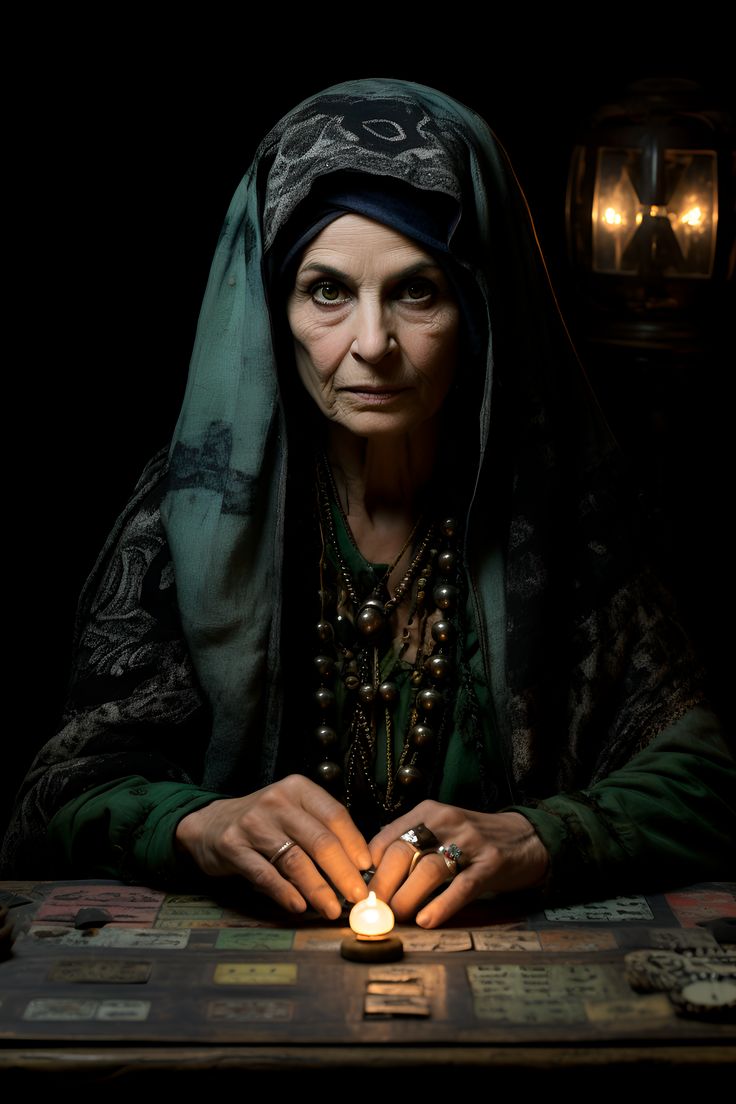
(124, 174)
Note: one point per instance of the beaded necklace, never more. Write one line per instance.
(354, 629)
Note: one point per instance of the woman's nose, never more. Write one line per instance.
(373, 333)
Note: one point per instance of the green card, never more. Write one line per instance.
(254, 939)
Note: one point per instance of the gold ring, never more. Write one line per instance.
(421, 855)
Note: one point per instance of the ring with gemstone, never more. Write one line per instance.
(452, 854)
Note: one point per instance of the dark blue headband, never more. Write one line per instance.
(427, 217)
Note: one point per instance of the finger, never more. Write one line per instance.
(428, 813)
(320, 844)
(392, 870)
(297, 866)
(293, 880)
(381, 842)
(335, 816)
(463, 889)
(429, 873)
(243, 860)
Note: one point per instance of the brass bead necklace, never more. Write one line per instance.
(352, 631)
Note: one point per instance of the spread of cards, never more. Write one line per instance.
(105, 961)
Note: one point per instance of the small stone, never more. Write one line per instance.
(409, 777)
(421, 736)
(389, 692)
(428, 700)
(443, 632)
(325, 698)
(325, 665)
(328, 773)
(445, 596)
(367, 693)
(326, 736)
(438, 667)
(446, 562)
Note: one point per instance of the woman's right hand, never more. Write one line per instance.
(239, 835)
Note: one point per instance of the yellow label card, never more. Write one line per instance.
(255, 973)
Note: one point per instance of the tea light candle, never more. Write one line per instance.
(371, 920)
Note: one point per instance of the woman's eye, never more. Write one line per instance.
(328, 293)
(417, 290)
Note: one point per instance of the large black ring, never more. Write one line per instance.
(420, 838)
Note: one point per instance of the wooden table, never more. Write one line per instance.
(216, 990)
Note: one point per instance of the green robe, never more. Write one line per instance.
(668, 816)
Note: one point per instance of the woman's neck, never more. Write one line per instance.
(380, 482)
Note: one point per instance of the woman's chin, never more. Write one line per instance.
(379, 425)
(385, 421)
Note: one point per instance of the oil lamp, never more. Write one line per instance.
(372, 922)
(649, 215)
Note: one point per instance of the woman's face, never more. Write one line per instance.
(375, 327)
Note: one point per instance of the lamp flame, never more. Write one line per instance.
(693, 217)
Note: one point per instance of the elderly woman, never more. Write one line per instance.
(380, 606)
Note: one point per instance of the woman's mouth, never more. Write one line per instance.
(375, 394)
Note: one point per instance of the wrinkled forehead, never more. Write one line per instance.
(394, 137)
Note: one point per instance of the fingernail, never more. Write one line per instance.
(423, 918)
(359, 892)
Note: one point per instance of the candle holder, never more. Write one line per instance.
(372, 921)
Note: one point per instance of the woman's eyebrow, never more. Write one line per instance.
(344, 277)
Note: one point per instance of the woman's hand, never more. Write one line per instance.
(500, 851)
(239, 835)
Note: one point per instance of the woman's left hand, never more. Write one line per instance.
(500, 852)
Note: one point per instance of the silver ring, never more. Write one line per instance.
(420, 838)
(452, 854)
(281, 850)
